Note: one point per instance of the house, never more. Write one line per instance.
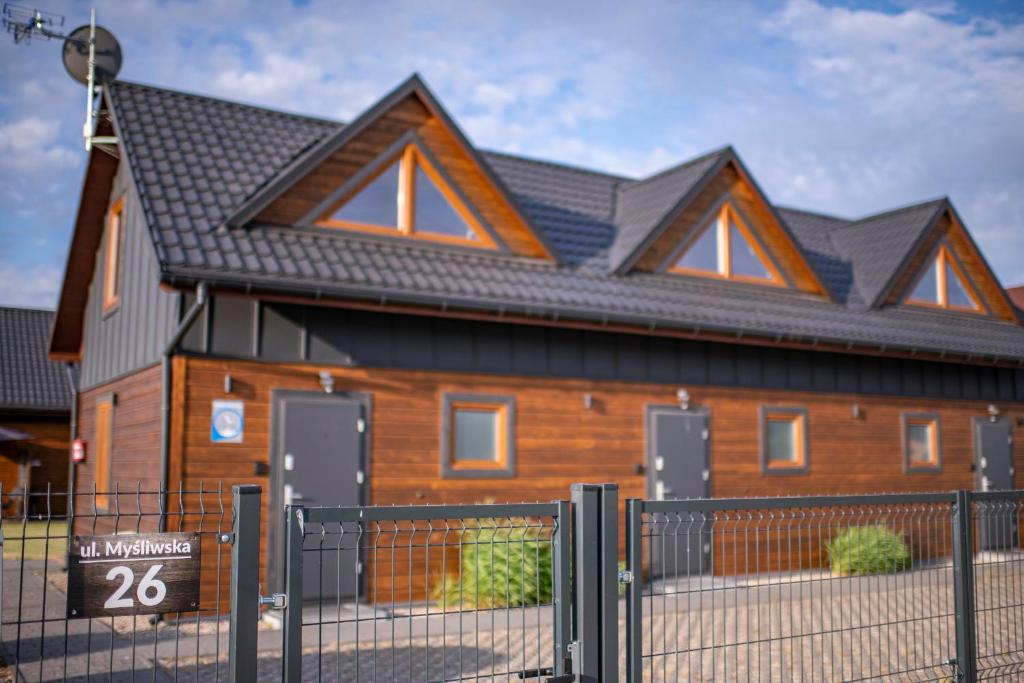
(380, 312)
(35, 413)
(1017, 296)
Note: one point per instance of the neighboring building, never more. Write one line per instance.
(1017, 296)
(35, 409)
(394, 316)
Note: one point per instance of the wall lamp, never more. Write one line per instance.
(993, 412)
(683, 396)
(326, 382)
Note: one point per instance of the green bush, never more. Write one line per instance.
(500, 567)
(868, 550)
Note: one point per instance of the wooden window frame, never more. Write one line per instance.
(112, 257)
(103, 456)
(505, 464)
(796, 416)
(934, 423)
(409, 159)
(724, 215)
(942, 257)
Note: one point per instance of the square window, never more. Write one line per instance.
(921, 451)
(477, 436)
(783, 440)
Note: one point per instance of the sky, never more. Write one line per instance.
(843, 107)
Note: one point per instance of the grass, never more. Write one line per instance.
(868, 550)
(35, 543)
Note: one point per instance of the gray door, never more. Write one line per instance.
(993, 447)
(678, 464)
(318, 460)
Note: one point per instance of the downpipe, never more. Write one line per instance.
(165, 398)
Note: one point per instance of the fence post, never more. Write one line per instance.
(562, 585)
(596, 533)
(294, 523)
(963, 587)
(245, 583)
(634, 590)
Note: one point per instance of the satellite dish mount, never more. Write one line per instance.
(92, 56)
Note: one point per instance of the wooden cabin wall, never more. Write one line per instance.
(50, 447)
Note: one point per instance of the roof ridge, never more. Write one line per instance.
(234, 103)
(679, 166)
(809, 212)
(32, 309)
(899, 209)
(559, 164)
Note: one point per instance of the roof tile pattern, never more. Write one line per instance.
(196, 159)
(29, 380)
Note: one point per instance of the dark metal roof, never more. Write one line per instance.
(28, 379)
(196, 160)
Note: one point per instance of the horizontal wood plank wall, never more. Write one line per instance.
(51, 447)
(135, 446)
(559, 442)
(375, 139)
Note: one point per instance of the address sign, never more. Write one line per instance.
(126, 574)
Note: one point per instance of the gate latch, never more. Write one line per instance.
(626, 576)
(274, 601)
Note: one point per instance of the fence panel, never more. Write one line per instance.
(809, 589)
(999, 584)
(41, 643)
(427, 593)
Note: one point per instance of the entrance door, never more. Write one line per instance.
(993, 450)
(677, 448)
(318, 461)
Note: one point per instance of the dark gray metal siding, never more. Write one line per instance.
(334, 336)
(133, 336)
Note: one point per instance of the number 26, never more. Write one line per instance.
(151, 590)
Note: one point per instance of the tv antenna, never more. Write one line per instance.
(92, 56)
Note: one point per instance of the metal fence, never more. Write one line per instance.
(426, 593)
(850, 588)
(40, 643)
(901, 587)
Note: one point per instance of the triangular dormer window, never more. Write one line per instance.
(725, 247)
(944, 284)
(408, 196)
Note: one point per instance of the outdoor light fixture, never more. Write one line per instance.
(855, 411)
(683, 396)
(588, 400)
(993, 412)
(227, 384)
(327, 382)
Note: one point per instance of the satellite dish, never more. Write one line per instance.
(76, 55)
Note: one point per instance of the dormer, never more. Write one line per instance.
(708, 219)
(401, 170)
(943, 284)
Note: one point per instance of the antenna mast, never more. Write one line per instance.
(92, 56)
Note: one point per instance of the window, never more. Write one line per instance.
(112, 257)
(103, 447)
(921, 444)
(408, 196)
(943, 284)
(477, 436)
(726, 248)
(783, 440)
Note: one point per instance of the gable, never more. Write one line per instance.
(948, 242)
(725, 247)
(731, 184)
(340, 159)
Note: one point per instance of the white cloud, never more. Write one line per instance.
(29, 285)
(31, 145)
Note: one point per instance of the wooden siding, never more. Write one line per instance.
(411, 114)
(730, 182)
(558, 441)
(135, 446)
(133, 335)
(51, 447)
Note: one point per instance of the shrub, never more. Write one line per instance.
(501, 567)
(868, 550)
